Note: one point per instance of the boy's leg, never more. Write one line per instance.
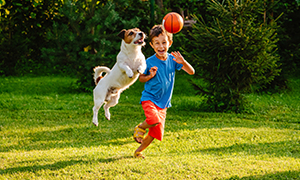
(152, 119)
(144, 125)
(145, 143)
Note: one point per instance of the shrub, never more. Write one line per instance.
(234, 52)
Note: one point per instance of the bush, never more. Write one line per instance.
(234, 53)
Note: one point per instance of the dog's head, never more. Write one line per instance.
(133, 36)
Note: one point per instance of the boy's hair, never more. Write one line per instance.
(157, 30)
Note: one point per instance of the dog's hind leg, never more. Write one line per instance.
(114, 99)
(97, 105)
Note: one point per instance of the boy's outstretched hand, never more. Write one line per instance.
(178, 57)
(180, 60)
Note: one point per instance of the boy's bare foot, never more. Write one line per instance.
(138, 135)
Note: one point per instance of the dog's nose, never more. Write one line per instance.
(141, 34)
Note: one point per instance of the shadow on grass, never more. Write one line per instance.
(35, 168)
(277, 149)
(69, 137)
(292, 175)
(58, 165)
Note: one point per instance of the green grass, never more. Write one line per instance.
(46, 132)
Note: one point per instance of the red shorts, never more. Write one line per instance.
(155, 115)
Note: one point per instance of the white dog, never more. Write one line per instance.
(130, 64)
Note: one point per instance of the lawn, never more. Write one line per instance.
(46, 132)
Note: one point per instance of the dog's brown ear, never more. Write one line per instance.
(122, 33)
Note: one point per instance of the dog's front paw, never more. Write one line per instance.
(141, 70)
(130, 75)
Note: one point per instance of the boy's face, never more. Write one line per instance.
(161, 44)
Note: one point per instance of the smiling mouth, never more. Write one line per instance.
(161, 52)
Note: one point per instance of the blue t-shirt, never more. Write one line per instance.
(159, 89)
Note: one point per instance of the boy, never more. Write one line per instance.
(159, 82)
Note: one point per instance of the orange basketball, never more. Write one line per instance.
(172, 22)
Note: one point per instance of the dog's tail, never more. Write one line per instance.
(98, 73)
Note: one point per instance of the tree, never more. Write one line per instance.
(233, 53)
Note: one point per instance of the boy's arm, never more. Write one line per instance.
(186, 66)
(145, 78)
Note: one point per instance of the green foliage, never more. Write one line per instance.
(85, 35)
(233, 53)
(186, 7)
(22, 33)
(289, 43)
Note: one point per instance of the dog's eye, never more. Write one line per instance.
(131, 33)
